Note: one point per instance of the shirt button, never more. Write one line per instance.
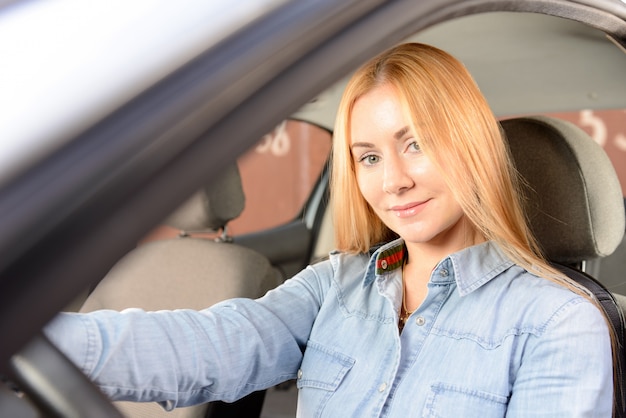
(444, 273)
(382, 387)
(420, 320)
(383, 264)
(300, 374)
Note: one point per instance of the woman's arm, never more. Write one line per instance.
(185, 357)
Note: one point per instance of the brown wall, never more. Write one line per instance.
(279, 174)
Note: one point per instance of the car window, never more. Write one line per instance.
(279, 173)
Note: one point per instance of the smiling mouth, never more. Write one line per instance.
(408, 210)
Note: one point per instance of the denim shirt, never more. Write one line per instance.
(489, 340)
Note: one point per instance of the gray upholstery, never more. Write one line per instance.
(574, 198)
(187, 272)
(182, 273)
(212, 207)
(611, 270)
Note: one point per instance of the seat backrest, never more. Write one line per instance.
(187, 272)
(212, 207)
(574, 203)
(611, 270)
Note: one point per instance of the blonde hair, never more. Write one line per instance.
(456, 128)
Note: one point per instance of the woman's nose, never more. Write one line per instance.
(396, 178)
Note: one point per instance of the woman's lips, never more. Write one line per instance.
(408, 210)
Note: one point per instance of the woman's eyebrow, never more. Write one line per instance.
(398, 136)
(401, 133)
(361, 145)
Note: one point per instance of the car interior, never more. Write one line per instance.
(530, 58)
(571, 215)
(192, 273)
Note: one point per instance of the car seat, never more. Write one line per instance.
(611, 270)
(190, 272)
(574, 203)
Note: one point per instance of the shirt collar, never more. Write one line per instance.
(384, 260)
(472, 267)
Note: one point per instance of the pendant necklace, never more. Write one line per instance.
(404, 312)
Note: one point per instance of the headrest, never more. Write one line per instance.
(212, 207)
(573, 197)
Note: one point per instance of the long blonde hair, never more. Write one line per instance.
(461, 136)
(457, 130)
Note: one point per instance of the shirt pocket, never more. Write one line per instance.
(447, 400)
(322, 371)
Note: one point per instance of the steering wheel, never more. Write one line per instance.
(55, 385)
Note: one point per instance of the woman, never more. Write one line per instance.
(455, 314)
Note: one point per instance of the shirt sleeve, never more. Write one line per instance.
(185, 357)
(566, 371)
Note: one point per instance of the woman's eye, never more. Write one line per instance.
(369, 159)
(414, 147)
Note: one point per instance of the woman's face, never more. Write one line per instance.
(399, 182)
